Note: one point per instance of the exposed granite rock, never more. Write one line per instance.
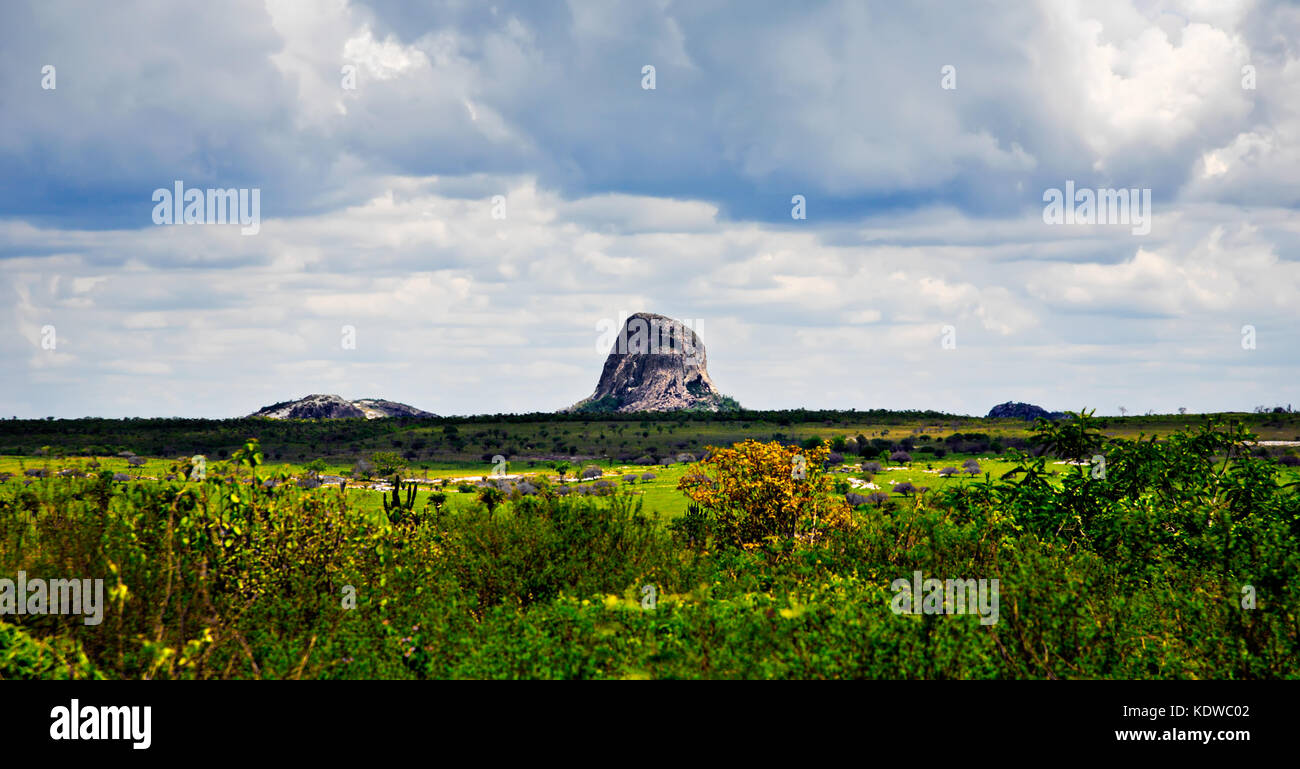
(655, 364)
(376, 408)
(335, 407)
(1026, 411)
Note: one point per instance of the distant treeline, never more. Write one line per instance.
(230, 433)
(461, 437)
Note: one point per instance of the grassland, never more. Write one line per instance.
(454, 448)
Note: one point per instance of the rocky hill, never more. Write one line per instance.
(375, 408)
(655, 364)
(335, 407)
(1026, 411)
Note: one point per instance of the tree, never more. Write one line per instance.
(562, 468)
(388, 462)
(490, 495)
(1078, 438)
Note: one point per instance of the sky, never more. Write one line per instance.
(851, 202)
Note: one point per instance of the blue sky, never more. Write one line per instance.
(924, 203)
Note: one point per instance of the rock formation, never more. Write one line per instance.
(376, 408)
(655, 364)
(1025, 411)
(335, 407)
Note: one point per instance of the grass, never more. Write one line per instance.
(446, 449)
(659, 496)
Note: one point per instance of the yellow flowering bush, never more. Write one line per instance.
(759, 491)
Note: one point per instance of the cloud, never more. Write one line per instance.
(380, 212)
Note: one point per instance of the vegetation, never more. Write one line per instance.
(1176, 557)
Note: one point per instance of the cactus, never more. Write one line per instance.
(400, 508)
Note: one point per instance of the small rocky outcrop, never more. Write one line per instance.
(376, 408)
(656, 363)
(335, 407)
(1026, 411)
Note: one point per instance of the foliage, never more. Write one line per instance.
(757, 491)
(1139, 572)
(388, 462)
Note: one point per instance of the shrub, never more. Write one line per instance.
(905, 488)
(751, 492)
(872, 467)
(646, 477)
(900, 456)
(589, 472)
